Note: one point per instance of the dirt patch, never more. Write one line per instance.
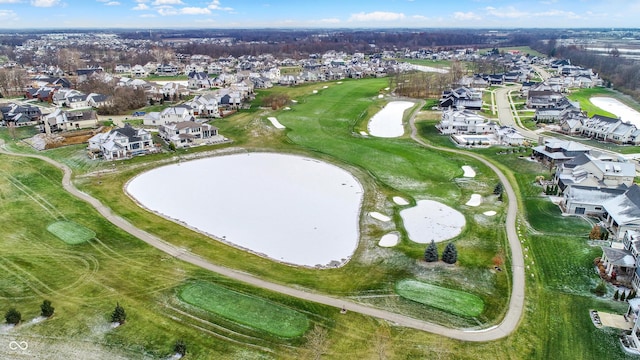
(55, 140)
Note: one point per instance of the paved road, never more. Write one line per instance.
(506, 110)
(508, 324)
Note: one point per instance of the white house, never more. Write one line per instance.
(121, 143)
(464, 122)
(172, 114)
(189, 133)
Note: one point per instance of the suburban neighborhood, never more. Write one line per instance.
(173, 174)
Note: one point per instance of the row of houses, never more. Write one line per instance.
(468, 127)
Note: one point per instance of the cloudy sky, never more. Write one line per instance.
(317, 14)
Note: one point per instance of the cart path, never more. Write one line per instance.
(508, 324)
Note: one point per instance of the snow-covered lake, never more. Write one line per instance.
(387, 123)
(617, 108)
(289, 208)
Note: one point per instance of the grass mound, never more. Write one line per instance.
(70, 232)
(449, 300)
(244, 309)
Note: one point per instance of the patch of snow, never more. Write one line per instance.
(294, 101)
(276, 123)
(489, 213)
(475, 200)
(315, 91)
(617, 108)
(431, 220)
(387, 89)
(400, 201)
(339, 82)
(286, 108)
(5, 328)
(387, 123)
(389, 240)
(325, 87)
(37, 320)
(468, 171)
(364, 133)
(378, 216)
(380, 96)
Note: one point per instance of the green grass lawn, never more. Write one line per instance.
(246, 309)
(450, 300)
(584, 96)
(70, 232)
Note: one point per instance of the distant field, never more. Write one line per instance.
(246, 309)
(70, 232)
(450, 300)
(521, 49)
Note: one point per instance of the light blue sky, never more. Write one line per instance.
(318, 14)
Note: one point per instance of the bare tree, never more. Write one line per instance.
(317, 343)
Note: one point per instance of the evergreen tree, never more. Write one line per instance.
(13, 316)
(46, 309)
(119, 315)
(450, 254)
(616, 295)
(632, 295)
(431, 253)
(623, 296)
(180, 347)
(498, 189)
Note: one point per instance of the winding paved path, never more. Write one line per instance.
(508, 324)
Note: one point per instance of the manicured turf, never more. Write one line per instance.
(70, 232)
(450, 300)
(246, 309)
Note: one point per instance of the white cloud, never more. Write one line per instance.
(376, 16)
(112, 3)
(194, 11)
(10, 1)
(141, 6)
(508, 12)
(44, 3)
(419, 17)
(215, 5)
(458, 15)
(8, 15)
(166, 2)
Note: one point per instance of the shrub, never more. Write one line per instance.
(431, 253)
(46, 309)
(13, 316)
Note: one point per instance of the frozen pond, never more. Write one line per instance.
(617, 108)
(387, 123)
(431, 220)
(289, 208)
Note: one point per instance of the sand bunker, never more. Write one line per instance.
(378, 216)
(489, 213)
(431, 220)
(468, 171)
(276, 123)
(475, 200)
(387, 123)
(400, 201)
(389, 240)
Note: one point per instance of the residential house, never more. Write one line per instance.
(204, 106)
(461, 97)
(172, 114)
(199, 80)
(507, 135)
(556, 152)
(587, 200)
(20, 115)
(464, 122)
(587, 171)
(189, 133)
(60, 120)
(121, 143)
(622, 212)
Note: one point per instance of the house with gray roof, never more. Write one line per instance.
(556, 152)
(622, 212)
(189, 133)
(587, 171)
(121, 143)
